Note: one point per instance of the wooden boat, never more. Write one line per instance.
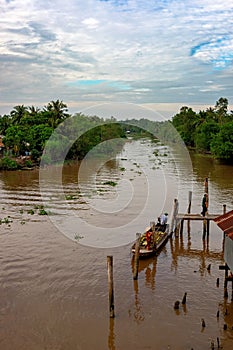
(152, 240)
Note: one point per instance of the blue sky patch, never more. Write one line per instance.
(86, 83)
(218, 52)
(118, 85)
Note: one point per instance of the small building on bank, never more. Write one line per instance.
(225, 222)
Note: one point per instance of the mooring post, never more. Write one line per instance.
(136, 257)
(190, 202)
(232, 290)
(205, 222)
(174, 221)
(224, 208)
(206, 185)
(225, 281)
(177, 229)
(208, 227)
(181, 226)
(174, 214)
(204, 229)
(189, 210)
(110, 286)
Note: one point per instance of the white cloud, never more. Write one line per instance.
(164, 51)
(91, 23)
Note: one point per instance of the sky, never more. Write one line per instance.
(156, 54)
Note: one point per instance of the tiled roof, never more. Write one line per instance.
(225, 222)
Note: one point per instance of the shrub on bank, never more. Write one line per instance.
(8, 164)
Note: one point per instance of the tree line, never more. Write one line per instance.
(209, 131)
(26, 131)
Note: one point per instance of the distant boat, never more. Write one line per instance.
(152, 240)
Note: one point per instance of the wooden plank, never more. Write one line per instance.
(223, 267)
(196, 217)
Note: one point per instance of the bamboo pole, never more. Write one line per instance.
(136, 257)
(174, 215)
(110, 286)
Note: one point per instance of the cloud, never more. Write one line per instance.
(218, 52)
(132, 51)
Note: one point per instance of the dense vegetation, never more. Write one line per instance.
(27, 130)
(209, 131)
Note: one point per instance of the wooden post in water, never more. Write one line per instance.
(205, 222)
(189, 211)
(110, 286)
(190, 202)
(225, 281)
(224, 208)
(204, 229)
(206, 185)
(232, 290)
(136, 257)
(181, 226)
(174, 215)
(208, 228)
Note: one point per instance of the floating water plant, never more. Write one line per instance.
(77, 237)
(42, 212)
(70, 197)
(110, 183)
(31, 211)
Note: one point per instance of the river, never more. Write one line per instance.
(53, 268)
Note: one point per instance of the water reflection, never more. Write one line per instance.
(111, 334)
(147, 265)
(203, 255)
(138, 306)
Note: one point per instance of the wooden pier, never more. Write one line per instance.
(177, 222)
(196, 217)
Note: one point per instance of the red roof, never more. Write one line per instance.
(225, 222)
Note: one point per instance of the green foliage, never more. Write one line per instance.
(28, 163)
(29, 129)
(222, 144)
(185, 123)
(8, 164)
(207, 131)
(205, 134)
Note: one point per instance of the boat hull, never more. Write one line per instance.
(145, 252)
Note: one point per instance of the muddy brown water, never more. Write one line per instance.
(53, 278)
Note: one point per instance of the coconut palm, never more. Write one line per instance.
(18, 113)
(57, 112)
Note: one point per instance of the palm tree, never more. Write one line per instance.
(5, 122)
(57, 112)
(221, 107)
(18, 113)
(33, 111)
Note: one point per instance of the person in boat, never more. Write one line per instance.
(163, 221)
(204, 204)
(148, 238)
(158, 222)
